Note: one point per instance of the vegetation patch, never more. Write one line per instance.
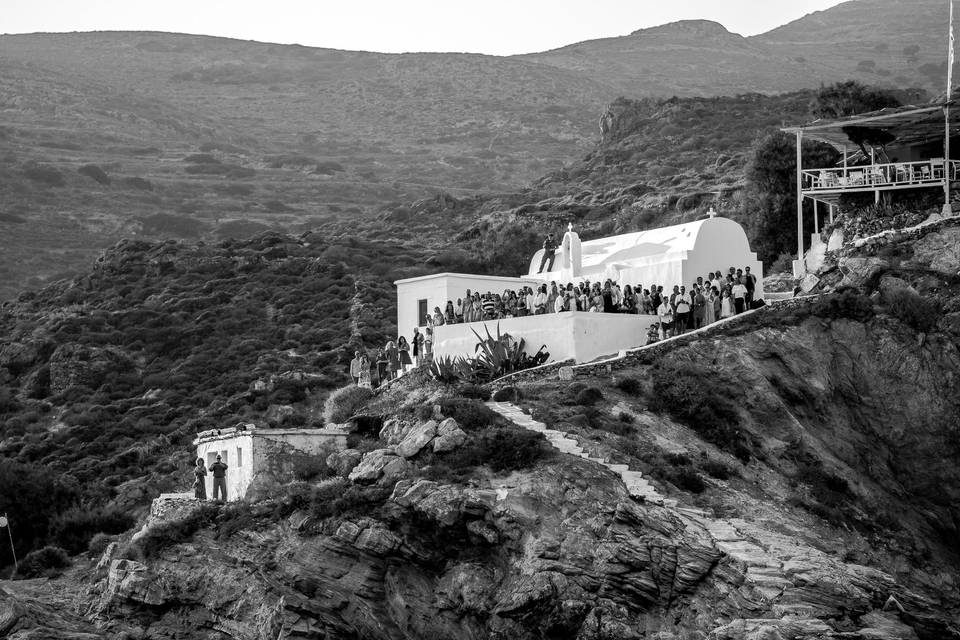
(43, 562)
(699, 397)
(344, 403)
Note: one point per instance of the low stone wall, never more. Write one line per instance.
(634, 356)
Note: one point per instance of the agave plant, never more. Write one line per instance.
(497, 356)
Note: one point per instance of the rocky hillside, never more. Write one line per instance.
(806, 460)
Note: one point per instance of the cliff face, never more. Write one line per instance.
(562, 551)
(825, 505)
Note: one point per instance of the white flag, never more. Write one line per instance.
(950, 55)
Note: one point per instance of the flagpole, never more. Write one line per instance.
(947, 166)
(12, 550)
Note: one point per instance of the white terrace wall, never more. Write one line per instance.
(437, 289)
(578, 335)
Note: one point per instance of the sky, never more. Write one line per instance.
(498, 27)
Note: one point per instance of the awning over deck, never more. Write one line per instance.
(899, 127)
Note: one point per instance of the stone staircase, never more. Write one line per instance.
(637, 485)
(763, 571)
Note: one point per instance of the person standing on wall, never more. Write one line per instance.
(549, 251)
(739, 292)
(219, 470)
(750, 282)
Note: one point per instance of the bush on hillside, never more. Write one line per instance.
(913, 309)
(589, 396)
(470, 414)
(507, 394)
(474, 391)
(629, 385)
(501, 449)
(696, 396)
(43, 562)
(74, 528)
(344, 403)
(95, 173)
(99, 543)
(844, 303)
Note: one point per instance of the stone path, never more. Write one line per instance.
(764, 571)
(636, 484)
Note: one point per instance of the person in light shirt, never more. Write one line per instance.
(739, 293)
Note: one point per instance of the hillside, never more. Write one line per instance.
(806, 459)
(882, 42)
(206, 138)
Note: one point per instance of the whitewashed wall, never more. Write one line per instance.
(439, 288)
(264, 452)
(573, 334)
(235, 448)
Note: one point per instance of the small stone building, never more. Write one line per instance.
(265, 455)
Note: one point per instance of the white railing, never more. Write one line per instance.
(879, 176)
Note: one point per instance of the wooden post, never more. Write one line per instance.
(802, 269)
(816, 222)
(6, 523)
(831, 213)
(947, 209)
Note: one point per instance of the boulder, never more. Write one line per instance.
(449, 436)
(417, 438)
(836, 240)
(394, 431)
(858, 271)
(371, 466)
(377, 540)
(940, 250)
(396, 470)
(809, 282)
(343, 462)
(566, 373)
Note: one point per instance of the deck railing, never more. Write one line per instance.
(879, 176)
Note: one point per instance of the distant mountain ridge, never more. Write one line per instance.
(204, 137)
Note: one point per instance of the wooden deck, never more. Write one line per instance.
(879, 177)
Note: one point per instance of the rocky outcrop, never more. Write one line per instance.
(343, 462)
(417, 438)
(449, 436)
(382, 465)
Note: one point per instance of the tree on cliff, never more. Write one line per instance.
(770, 203)
(850, 98)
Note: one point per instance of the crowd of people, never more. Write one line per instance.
(710, 298)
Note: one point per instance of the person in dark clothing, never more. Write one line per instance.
(200, 480)
(219, 470)
(549, 251)
(750, 282)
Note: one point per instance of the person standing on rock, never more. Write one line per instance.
(219, 470)
(200, 480)
(549, 251)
